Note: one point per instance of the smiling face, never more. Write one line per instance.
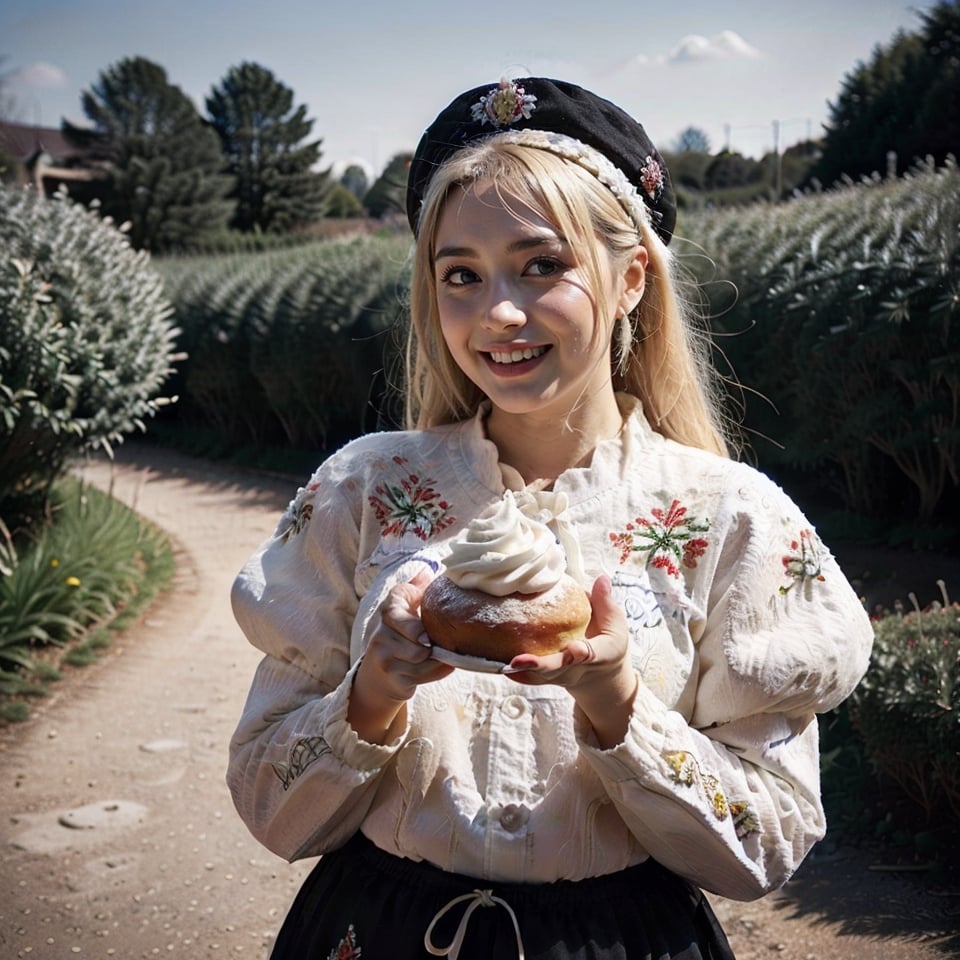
(517, 309)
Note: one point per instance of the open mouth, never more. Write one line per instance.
(516, 356)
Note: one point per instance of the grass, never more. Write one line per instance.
(65, 592)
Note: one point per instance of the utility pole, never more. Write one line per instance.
(778, 162)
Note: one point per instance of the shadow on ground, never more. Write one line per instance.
(855, 893)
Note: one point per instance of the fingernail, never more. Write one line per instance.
(424, 640)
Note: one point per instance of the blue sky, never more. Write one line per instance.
(374, 74)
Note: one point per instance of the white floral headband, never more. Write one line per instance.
(595, 163)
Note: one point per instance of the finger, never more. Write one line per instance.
(528, 663)
(607, 616)
(579, 651)
(401, 611)
(408, 646)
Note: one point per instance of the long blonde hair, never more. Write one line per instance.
(658, 352)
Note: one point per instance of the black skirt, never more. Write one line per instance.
(360, 903)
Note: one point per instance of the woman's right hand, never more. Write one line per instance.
(397, 660)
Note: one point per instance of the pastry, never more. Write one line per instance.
(505, 590)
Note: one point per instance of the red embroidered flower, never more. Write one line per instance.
(299, 512)
(693, 550)
(667, 540)
(802, 564)
(347, 949)
(410, 505)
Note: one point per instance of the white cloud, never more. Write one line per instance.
(725, 45)
(40, 75)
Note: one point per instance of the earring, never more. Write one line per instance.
(624, 337)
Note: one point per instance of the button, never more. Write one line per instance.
(513, 817)
(514, 707)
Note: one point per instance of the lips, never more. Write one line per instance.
(516, 355)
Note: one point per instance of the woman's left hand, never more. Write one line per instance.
(596, 670)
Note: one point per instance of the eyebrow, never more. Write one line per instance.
(526, 243)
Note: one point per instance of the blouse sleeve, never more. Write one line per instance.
(300, 777)
(729, 796)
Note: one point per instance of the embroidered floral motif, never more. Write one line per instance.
(503, 105)
(802, 564)
(651, 178)
(682, 766)
(410, 506)
(298, 512)
(347, 948)
(304, 752)
(744, 819)
(667, 540)
(684, 769)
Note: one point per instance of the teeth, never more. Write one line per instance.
(515, 356)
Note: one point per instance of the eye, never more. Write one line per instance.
(545, 267)
(455, 276)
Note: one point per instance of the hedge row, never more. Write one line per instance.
(839, 314)
(289, 348)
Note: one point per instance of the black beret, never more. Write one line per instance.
(555, 107)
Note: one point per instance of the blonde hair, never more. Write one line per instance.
(658, 352)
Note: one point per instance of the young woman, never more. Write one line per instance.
(575, 804)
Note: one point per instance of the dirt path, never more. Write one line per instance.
(119, 839)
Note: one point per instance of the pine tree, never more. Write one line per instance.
(355, 179)
(164, 167)
(388, 193)
(903, 103)
(261, 135)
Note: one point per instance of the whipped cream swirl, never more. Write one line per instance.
(504, 551)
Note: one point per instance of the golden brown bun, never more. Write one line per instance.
(478, 624)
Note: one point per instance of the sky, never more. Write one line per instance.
(374, 73)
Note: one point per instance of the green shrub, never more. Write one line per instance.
(907, 708)
(94, 563)
(85, 342)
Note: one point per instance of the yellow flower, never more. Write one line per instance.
(54, 563)
(72, 582)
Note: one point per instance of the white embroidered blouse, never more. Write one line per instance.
(742, 628)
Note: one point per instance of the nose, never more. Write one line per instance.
(504, 310)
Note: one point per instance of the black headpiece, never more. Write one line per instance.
(559, 117)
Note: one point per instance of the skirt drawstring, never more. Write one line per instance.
(479, 898)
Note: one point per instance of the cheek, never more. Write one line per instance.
(574, 310)
(454, 327)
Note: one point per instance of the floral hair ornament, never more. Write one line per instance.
(504, 104)
(651, 178)
(565, 119)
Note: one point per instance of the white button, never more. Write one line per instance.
(513, 817)
(514, 707)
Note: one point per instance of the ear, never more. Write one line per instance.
(634, 280)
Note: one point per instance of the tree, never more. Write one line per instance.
(262, 137)
(728, 170)
(355, 179)
(388, 193)
(164, 167)
(343, 204)
(692, 140)
(902, 103)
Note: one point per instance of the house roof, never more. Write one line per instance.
(24, 142)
